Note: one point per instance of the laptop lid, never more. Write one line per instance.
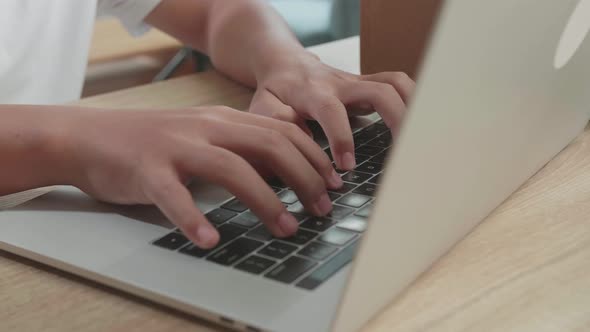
(492, 107)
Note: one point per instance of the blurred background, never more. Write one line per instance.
(118, 61)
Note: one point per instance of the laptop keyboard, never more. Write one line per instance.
(321, 247)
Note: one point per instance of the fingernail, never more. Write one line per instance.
(348, 161)
(324, 205)
(288, 224)
(206, 236)
(335, 180)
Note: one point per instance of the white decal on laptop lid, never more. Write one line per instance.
(573, 36)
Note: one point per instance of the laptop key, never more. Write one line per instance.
(300, 217)
(368, 150)
(375, 179)
(377, 129)
(366, 189)
(301, 237)
(333, 196)
(328, 269)
(317, 250)
(347, 187)
(361, 138)
(354, 200)
(337, 236)
(361, 158)
(260, 233)
(193, 250)
(235, 251)
(365, 212)
(318, 224)
(247, 220)
(339, 171)
(382, 142)
(369, 132)
(255, 264)
(291, 269)
(356, 177)
(277, 249)
(219, 216)
(235, 205)
(288, 197)
(354, 223)
(379, 158)
(171, 241)
(386, 135)
(297, 208)
(276, 182)
(227, 233)
(369, 167)
(382, 126)
(339, 212)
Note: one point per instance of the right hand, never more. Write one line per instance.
(146, 157)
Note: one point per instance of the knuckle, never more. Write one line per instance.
(167, 186)
(383, 88)
(158, 187)
(400, 76)
(292, 129)
(327, 104)
(274, 138)
(221, 160)
(270, 143)
(275, 114)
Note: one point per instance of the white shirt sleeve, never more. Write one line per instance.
(131, 13)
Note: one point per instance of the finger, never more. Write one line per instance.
(231, 171)
(314, 153)
(267, 104)
(383, 98)
(175, 201)
(306, 146)
(332, 116)
(399, 80)
(283, 158)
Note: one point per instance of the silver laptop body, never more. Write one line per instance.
(491, 109)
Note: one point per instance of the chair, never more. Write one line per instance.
(313, 22)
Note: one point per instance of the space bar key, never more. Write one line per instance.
(329, 268)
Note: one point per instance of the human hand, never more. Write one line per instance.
(299, 87)
(141, 157)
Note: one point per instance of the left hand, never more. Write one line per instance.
(300, 87)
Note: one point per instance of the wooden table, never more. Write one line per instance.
(110, 41)
(526, 268)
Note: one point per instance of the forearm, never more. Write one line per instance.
(244, 38)
(31, 148)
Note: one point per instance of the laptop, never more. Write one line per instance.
(493, 106)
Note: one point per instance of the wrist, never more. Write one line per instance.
(57, 147)
(281, 59)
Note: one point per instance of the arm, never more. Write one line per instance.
(250, 43)
(242, 37)
(30, 148)
(141, 157)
